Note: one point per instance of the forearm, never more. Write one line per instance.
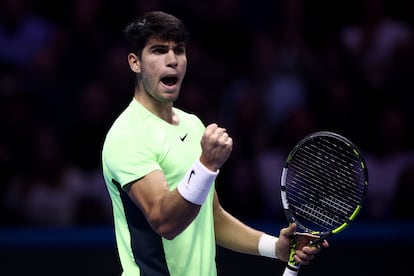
(172, 215)
(183, 204)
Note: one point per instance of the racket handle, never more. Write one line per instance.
(289, 272)
(292, 267)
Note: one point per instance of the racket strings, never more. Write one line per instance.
(347, 158)
(325, 182)
(333, 169)
(311, 167)
(322, 188)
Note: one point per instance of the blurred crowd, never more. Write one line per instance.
(271, 72)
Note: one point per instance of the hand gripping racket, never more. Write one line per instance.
(323, 184)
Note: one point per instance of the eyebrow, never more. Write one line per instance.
(166, 45)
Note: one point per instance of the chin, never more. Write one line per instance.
(169, 98)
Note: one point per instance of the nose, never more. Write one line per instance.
(172, 60)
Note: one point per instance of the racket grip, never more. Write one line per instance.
(292, 266)
(289, 272)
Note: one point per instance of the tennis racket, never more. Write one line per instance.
(323, 185)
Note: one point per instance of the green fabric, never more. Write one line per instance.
(139, 143)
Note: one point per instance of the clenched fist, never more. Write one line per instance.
(216, 147)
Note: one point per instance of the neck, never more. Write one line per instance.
(162, 110)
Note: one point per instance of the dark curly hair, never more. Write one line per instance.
(154, 24)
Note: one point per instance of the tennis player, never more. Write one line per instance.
(160, 165)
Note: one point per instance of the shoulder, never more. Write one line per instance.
(189, 118)
(129, 132)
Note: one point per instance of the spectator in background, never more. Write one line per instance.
(18, 118)
(340, 109)
(402, 202)
(51, 51)
(386, 163)
(84, 142)
(22, 33)
(91, 120)
(242, 111)
(115, 77)
(289, 87)
(196, 99)
(48, 93)
(240, 185)
(86, 41)
(270, 160)
(370, 47)
(372, 43)
(44, 191)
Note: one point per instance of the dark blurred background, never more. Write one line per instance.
(269, 71)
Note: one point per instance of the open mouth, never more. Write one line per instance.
(169, 81)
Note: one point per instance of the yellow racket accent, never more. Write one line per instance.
(340, 228)
(292, 253)
(356, 152)
(355, 213)
(344, 225)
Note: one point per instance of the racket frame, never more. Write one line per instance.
(293, 267)
(289, 214)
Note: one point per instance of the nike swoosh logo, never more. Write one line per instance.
(183, 138)
(191, 174)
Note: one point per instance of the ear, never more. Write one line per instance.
(134, 63)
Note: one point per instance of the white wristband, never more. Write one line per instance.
(267, 246)
(196, 183)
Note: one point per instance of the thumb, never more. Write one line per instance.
(290, 230)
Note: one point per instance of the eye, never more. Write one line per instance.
(159, 50)
(179, 50)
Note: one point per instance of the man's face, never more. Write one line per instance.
(163, 66)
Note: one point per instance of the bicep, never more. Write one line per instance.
(167, 211)
(147, 191)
